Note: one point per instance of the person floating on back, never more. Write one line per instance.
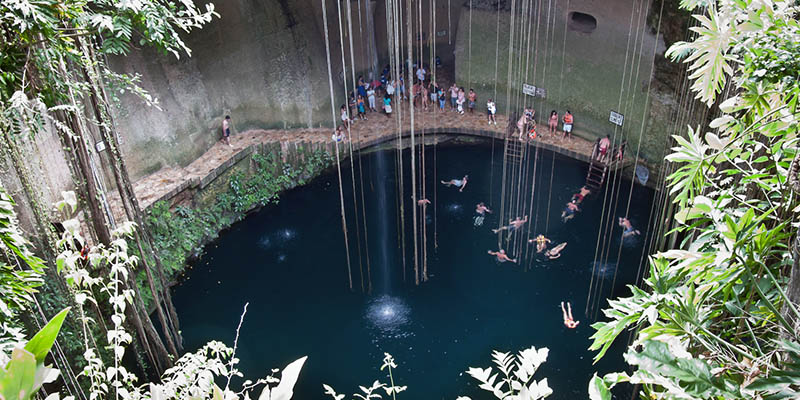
(481, 210)
(569, 211)
(501, 256)
(226, 130)
(568, 121)
(577, 198)
(569, 322)
(423, 202)
(541, 242)
(459, 183)
(627, 228)
(555, 252)
(512, 225)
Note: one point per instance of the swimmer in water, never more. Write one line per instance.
(569, 211)
(481, 210)
(555, 252)
(578, 197)
(512, 225)
(502, 256)
(628, 229)
(459, 183)
(541, 243)
(569, 322)
(423, 202)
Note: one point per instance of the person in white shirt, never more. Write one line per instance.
(491, 109)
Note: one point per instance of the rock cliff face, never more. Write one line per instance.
(264, 63)
(590, 56)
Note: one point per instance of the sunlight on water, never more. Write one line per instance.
(603, 270)
(388, 317)
(277, 238)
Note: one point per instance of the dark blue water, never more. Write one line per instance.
(288, 262)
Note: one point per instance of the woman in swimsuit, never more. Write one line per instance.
(553, 122)
(555, 252)
(569, 322)
(578, 197)
(459, 183)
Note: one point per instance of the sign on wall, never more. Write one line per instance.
(100, 146)
(616, 118)
(531, 90)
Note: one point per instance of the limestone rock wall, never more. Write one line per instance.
(587, 69)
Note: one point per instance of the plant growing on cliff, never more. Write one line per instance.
(718, 317)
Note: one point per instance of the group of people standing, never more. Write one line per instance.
(526, 124)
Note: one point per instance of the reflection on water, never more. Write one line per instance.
(455, 208)
(388, 317)
(603, 270)
(277, 238)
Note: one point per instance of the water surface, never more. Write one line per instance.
(288, 262)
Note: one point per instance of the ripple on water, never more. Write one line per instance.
(455, 209)
(388, 317)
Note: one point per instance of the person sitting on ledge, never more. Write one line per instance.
(569, 322)
(501, 256)
(541, 242)
(578, 197)
(555, 252)
(459, 183)
(628, 229)
(570, 211)
(513, 225)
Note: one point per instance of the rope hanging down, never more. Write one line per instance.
(338, 167)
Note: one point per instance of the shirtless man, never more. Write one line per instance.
(459, 183)
(578, 197)
(604, 145)
(502, 256)
(555, 252)
(226, 130)
(513, 225)
(570, 211)
(423, 202)
(627, 228)
(569, 322)
(541, 242)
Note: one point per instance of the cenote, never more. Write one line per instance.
(288, 262)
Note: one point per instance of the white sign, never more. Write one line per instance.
(534, 91)
(616, 118)
(530, 90)
(441, 33)
(100, 146)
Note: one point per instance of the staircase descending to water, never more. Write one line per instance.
(515, 151)
(596, 175)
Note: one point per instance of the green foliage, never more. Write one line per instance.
(181, 232)
(26, 372)
(516, 375)
(714, 319)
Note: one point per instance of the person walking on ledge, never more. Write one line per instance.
(226, 130)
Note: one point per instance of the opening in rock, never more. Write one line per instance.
(582, 22)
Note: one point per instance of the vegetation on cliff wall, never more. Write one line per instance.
(181, 232)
